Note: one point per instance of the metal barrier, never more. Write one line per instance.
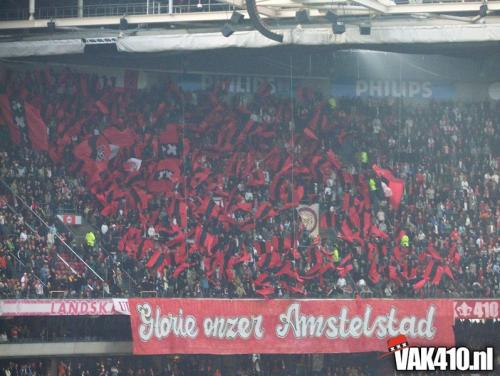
(56, 294)
(107, 10)
(149, 294)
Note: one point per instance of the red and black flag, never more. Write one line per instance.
(205, 238)
(170, 145)
(328, 220)
(11, 119)
(209, 209)
(143, 247)
(93, 148)
(178, 210)
(166, 169)
(156, 260)
(38, 132)
(265, 211)
(122, 138)
(395, 185)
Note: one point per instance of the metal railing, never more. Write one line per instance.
(57, 235)
(110, 10)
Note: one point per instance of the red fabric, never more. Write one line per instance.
(15, 132)
(37, 130)
(264, 332)
(309, 133)
(396, 185)
(170, 135)
(115, 136)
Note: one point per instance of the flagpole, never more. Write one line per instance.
(292, 129)
(183, 124)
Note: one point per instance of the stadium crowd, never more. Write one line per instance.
(330, 365)
(193, 194)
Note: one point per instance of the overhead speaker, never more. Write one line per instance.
(365, 28)
(51, 26)
(302, 16)
(227, 30)
(237, 18)
(338, 28)
(483, 10)
(123, 23)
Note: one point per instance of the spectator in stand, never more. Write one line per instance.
(228, 225)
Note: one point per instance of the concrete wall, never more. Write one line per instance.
(26, 350)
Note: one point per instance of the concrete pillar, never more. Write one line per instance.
(52, 368)
(80, 8)
(170, 6)
(32, 10)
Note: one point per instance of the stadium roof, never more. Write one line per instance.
(153, 26)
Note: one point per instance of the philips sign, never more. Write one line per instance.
(393, 88)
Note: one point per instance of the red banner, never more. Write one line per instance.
(476, 309)
(224, 326)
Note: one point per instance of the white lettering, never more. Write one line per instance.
(163, 326)
(344, 326)
(233, 327)
(361, 88)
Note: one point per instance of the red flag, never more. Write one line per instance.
(6, 111)
(438, 275)
(309, 133)
(101, 106)
(125, 138)
(37, 130)
(396, 185)
(180, 269)
(420, 284)
(393, 274)
(166, 169)
(151, 262)
(265, 291)
(170, 135)
(373, 274)
(334, 160)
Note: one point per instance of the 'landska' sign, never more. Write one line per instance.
(223, 326)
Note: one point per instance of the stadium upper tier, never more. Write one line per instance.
(57, 28)
(211, 194)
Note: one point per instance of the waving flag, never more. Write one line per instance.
(309, 215)
(9, 120)
(395, 185)
(132, 165)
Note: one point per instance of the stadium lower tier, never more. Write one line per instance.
(90, 346)
(244, 365)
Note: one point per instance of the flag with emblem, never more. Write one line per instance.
(170, 145)
(309, 215)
